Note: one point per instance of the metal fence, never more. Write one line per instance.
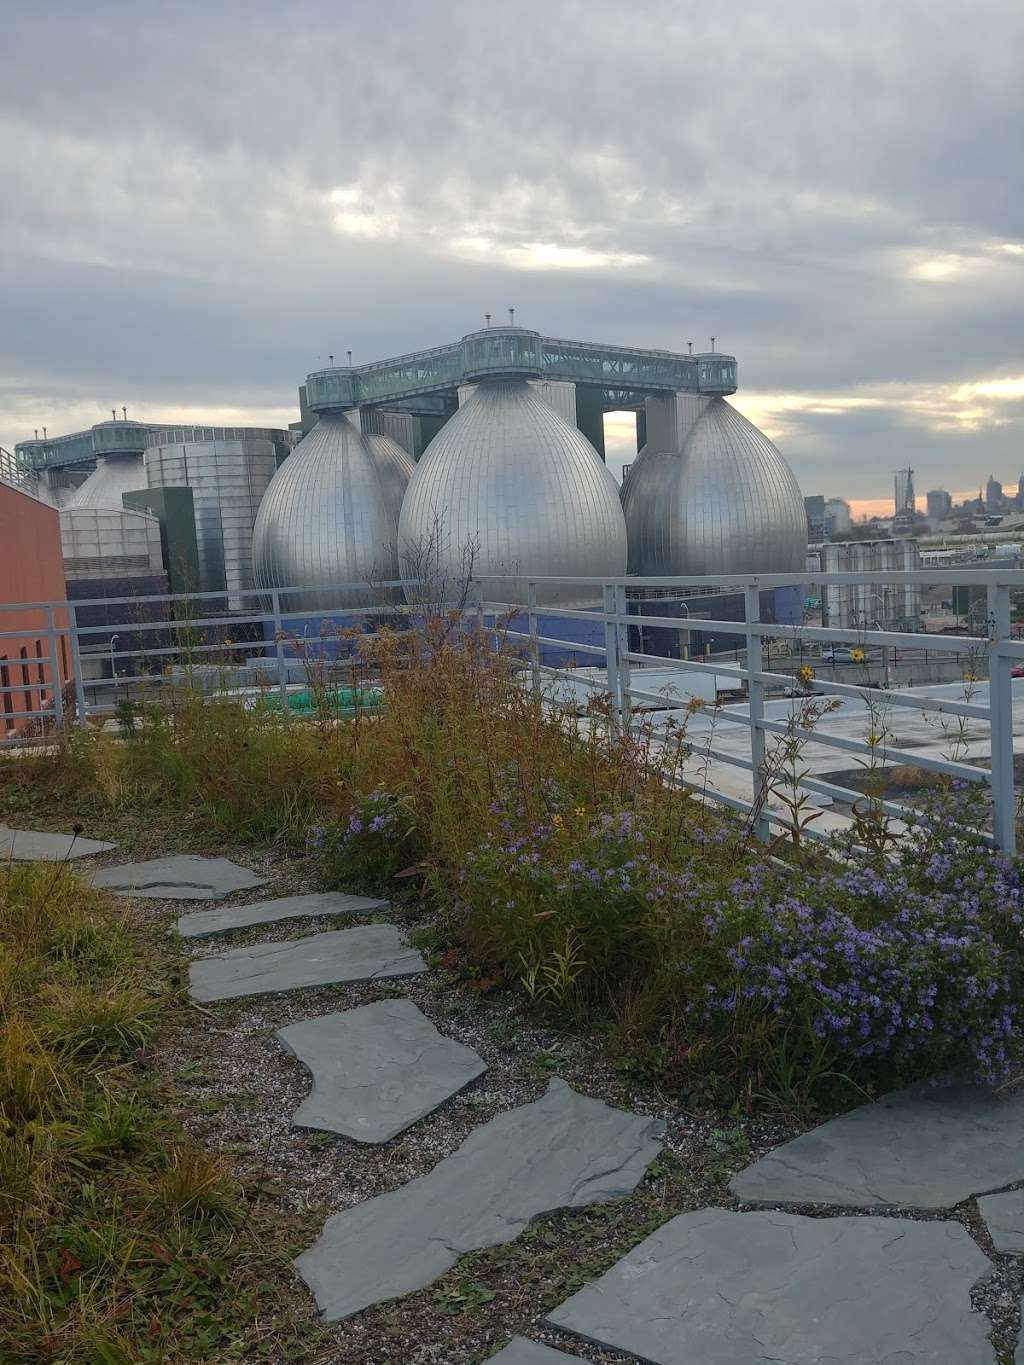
(148, 642)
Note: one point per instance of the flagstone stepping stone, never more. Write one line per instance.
(40, 846)
(520, 1351)
(376, 1069)
(367, 953)
(181, 877)
(1004, 1218)
(205, 923)
(562, 1151)
(927, 1147)
(721, 1288)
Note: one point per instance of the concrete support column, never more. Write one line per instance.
(590, 415)
(670, 418)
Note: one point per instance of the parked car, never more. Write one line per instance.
(838, 654)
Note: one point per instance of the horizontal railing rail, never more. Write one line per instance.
(101, 651)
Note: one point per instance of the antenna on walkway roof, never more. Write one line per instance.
(689, 346)
(113, 413)
(124, 412)
(331, 360)
(487, 319)
(36, 430)
(349, 354)
(44, 433)
(511, 317)
(712, 344)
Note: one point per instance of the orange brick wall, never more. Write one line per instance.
(31, 570)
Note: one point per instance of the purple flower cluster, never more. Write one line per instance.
(368, 848)
(915, 962)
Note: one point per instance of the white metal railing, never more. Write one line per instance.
(141, 638)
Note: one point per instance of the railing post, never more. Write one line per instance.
(622, 638)
(755, 708)
(531, 609)
(81, 705)
(282, 668)
(1000, 701)
(55, 678)
(611, 650)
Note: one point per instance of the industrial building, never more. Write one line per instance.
(33, 662)
(481, 457)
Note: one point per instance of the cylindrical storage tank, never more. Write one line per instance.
(331, 516)
(725, 502)
(507, 487)
(228, 470)
(113, 475)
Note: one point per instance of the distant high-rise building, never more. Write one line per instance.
(940, 504)
(904, 491)
(814, 506)
(993, 495)
(1020, 492)
(838, 511)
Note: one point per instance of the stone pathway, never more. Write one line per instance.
(376, 1069)
(39, 846)
(927, 1147)
(206, 923)
(181, 877)
(711, 1287)
(1004, 1218)
(520, 1351)
(563, 1151)
(721, 1288)
(368, 953)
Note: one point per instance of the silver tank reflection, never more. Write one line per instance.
(710, 494)
(510, 485)
(330, 516)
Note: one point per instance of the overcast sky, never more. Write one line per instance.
(200, 201)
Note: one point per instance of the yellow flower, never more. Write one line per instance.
(806, 674)
(857, 655)
(556, 820)
(580, 810)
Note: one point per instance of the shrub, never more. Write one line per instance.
(364, 854)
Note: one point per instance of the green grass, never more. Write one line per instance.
(121, 1241)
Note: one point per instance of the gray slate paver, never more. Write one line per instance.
(1004, 1218)
(40, 846)
(927, 1147)
(520, 1351)
(376, 1069)
(562, 1151)
(367, 953)
(721, 1288)
(181, 877)
(205, 923)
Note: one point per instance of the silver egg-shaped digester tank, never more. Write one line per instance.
(113, 475)
(711, 494)
(330, 516)
(510, 488)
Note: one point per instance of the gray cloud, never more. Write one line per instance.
(201, 201)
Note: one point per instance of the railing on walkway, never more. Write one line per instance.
(145, 641)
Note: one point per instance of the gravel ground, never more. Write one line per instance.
(236, 1087)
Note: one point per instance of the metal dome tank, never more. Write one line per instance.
(113, 475)
(528, 492)
(330, 515)
(717, 499)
